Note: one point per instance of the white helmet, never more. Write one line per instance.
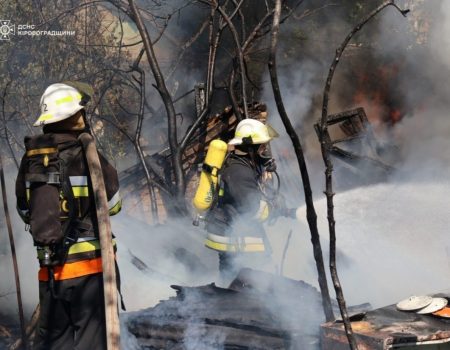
(59, 102)
(252, 131)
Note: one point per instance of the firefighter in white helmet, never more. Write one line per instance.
(60, 102)
(234, 224)
(55, 198)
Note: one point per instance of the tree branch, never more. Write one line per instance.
(326, 147)
(168, 103)
(311, 215)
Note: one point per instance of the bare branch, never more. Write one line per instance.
(326, 147)
(168, 103)
(186, 45)
(240, 57)
(311, 215)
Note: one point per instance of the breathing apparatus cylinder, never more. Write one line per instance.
(209, 177)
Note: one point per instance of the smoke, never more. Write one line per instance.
(391, 236)
(151, 258)
(26, 259)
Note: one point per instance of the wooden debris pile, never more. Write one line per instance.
(258, 311)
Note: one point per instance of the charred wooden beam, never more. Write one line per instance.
(244, 316)
(356, 126)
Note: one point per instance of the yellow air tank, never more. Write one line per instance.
(209, 176)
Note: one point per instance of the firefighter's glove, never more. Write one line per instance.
(290, 213)
(278, 206)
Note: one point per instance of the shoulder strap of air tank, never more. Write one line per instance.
(70, 229)
(216, 191)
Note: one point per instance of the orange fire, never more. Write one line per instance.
(375, 93)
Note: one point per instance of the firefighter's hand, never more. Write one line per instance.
(278, 206)
(290, 213)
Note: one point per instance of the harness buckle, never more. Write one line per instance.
(68, 240)
(54, 178)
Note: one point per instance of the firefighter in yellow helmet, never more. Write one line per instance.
(235, 223)
(55, 198)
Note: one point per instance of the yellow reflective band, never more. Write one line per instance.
(45, 117)
(66, 99)
(239, 134)
(249, 248)
(221, 192)
(115, 209)
(28, 191)
(84, 247)
(264, 214)
(81, 247)
(263, 211)
(80, 191)
(255, 137)
(35, 152)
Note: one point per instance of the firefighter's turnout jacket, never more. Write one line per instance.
(83, 256)
(234, 224)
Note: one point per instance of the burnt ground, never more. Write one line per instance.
(258, 311)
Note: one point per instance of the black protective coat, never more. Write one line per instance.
(235, 212)
(72, 315)
(40, 208)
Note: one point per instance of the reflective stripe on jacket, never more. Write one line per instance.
(87, 247)
(234, 244)
(84, 248)
(72, 270)
(235, 224)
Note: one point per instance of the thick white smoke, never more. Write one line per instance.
(391, 237)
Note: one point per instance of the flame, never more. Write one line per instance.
(375, 93)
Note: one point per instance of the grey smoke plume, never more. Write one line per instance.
(26, 256)
(392, 236)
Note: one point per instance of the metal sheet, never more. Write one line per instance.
(390, 328)
(414, 302)
(436, 305)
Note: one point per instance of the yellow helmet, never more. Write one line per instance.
(59, 102)
(252, 131)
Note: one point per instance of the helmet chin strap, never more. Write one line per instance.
(87, 125)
